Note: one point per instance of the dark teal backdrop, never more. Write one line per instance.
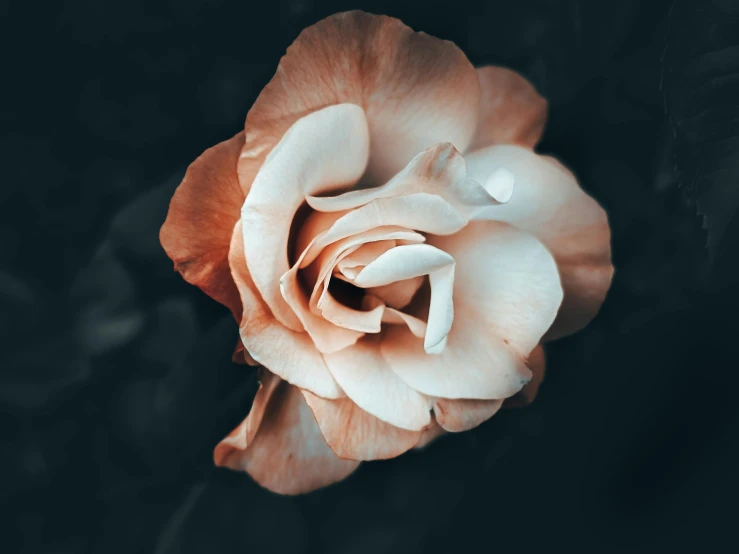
(115, 376)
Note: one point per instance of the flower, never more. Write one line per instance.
(391, 245)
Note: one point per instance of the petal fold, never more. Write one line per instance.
(354, 434)
(549, 204)
(284, 451)
(326, 149)
(290, 355)
(202, 214)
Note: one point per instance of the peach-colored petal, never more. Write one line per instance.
(415, 325)
(325, 149)
(549, 204)
(327, 336)
(289, 354)
(286, 452)
(399, 294)
(511, 111)
(243, 435)
(241, 355)
(506, 294)
(439, 170)
(407, 262)
(417, 90)
(426, 213)
(537, 364)
(367, 379)
(202, 214)
(462, 415)
(428, 435)
(355, 434)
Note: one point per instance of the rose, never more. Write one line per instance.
(390, 287)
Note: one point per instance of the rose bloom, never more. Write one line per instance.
(391, 245)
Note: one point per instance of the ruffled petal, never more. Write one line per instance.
(417, 90)
(285, 451)
(325, 149)
(511, 111)
(413, 260)
(367, 379)
(439, 170)
(426, 213)
(327, 336)
(289, 354)
(549, 204)
(202, 214)
(506, 294)
(355, 434)
(462, 415)
(399, 294)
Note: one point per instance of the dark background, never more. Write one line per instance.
(116, 380)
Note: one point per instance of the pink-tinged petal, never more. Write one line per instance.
(395, 317)
(285, 452)
(462, 415)
(327, 336)
(399, 294)
(289, 354)
(367, 379)
(506, 294)
(439, 170)
(422, 212)
(537, 364)
(549, 204)
(243, 435)
(202, 214)
(242, 356)
(428, 435)
(415, 325)
(362, 256)
(354, 434)
(413, 260)
(417, 90)
(325, 149)
(511, 111)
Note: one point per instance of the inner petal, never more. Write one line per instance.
(346, 328)
(409, 261)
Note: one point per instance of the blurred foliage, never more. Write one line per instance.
(116, 378)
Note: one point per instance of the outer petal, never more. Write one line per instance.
(416, 90)
(506, 295)
(355, 434)
(202, 214)
(367, 379)
(428, 435)
(537, 364)
(463, 415)
(511, 111)
(289, 354)
(285, 451)
(325, 149)
(548, 203)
